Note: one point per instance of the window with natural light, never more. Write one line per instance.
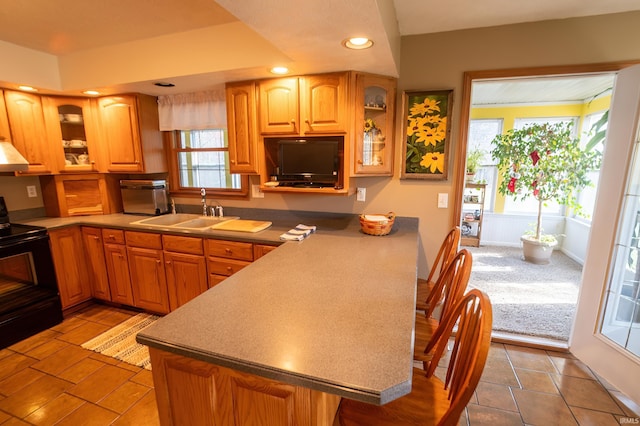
(201, 160)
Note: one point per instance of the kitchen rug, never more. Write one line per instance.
(120, 343)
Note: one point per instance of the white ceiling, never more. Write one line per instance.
(233, 40)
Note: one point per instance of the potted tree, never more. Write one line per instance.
(474, 156)
(546, 162)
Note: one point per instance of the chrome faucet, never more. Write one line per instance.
(203, 192)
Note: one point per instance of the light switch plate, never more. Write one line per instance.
(31, 191)
(361, 194)
(443, 200)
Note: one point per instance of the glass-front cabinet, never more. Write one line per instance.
(374, 132)
(70, 129)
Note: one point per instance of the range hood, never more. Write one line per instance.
(10, 159)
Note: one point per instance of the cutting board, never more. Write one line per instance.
(241, 225)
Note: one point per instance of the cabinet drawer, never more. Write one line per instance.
(214, 279)
(190, 245)
(144, 240)
(227, 267)
(113, 236)
(230, 249)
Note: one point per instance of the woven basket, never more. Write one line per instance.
(374, 227)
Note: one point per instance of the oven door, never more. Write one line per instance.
(29, 299)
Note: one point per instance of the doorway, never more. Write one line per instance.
(492, 103)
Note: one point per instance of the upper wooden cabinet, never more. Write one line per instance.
(374, 105)
(130, 138)
(242, 124)
(307, 105)
(72, 134)
(26, 120)
(5, 133)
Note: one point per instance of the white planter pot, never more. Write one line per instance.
(535, 251)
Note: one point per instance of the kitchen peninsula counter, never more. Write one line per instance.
(333, 314)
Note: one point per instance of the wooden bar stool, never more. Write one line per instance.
(433, 401)
(448, 249)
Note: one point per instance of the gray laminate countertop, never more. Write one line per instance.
(334, 312)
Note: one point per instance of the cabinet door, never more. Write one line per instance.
(71, 133)
(375, 105)
(148, 279)
(260, 250)
(119, 130)
(29, 136)
(70, 263)
(241, 122)
(97, 266)
(186, 277)
(323, 103)
(279, 108)
(5, 134)
(118, 273)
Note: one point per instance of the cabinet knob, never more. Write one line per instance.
(229, 269)
(95, 238)
(232, 161)
(293, 121)
(360, 162)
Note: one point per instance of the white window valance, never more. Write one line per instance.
(193, 111)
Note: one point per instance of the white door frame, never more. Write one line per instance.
(614, 364)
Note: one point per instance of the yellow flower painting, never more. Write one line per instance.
(427, 131)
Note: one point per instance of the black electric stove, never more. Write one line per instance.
(29, 297)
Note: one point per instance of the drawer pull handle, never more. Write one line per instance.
(228, 251)
(229, 269)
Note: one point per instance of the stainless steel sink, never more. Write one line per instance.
(183, 220)
(203, 222)
(166, 220)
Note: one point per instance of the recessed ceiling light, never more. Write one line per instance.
(357, 43)
(164, 84)
(279, 70)
(91, 92)
(28, 88)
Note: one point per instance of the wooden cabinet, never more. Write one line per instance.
(260, 250)
(71, 133)
(190, 392)
(130, 138)
(244, 149)
(115, 253)
(185, 267)
(374, 131)
(472, 213)
(315, 104)
(70, 262)
(5, 133)
(26, 119)
(146, 265)
(96, 264)
(79, 195)
(225, 258)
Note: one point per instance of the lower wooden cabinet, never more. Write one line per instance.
(70, 263)
(185, 267)
(154, 272)
(96, 264)
(146, 265)
(115, 253)
(193, 392)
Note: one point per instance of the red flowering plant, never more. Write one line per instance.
(546, 162)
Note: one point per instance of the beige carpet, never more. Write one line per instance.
(527, 299)
(120, 343)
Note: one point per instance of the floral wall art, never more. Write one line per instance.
(427, 130)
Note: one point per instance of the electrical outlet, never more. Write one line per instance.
(443, 200)
(361, 194)
(256, 192)
(31, 191)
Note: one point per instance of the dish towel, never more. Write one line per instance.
(299, 233)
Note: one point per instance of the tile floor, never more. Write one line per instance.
(49, 379)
